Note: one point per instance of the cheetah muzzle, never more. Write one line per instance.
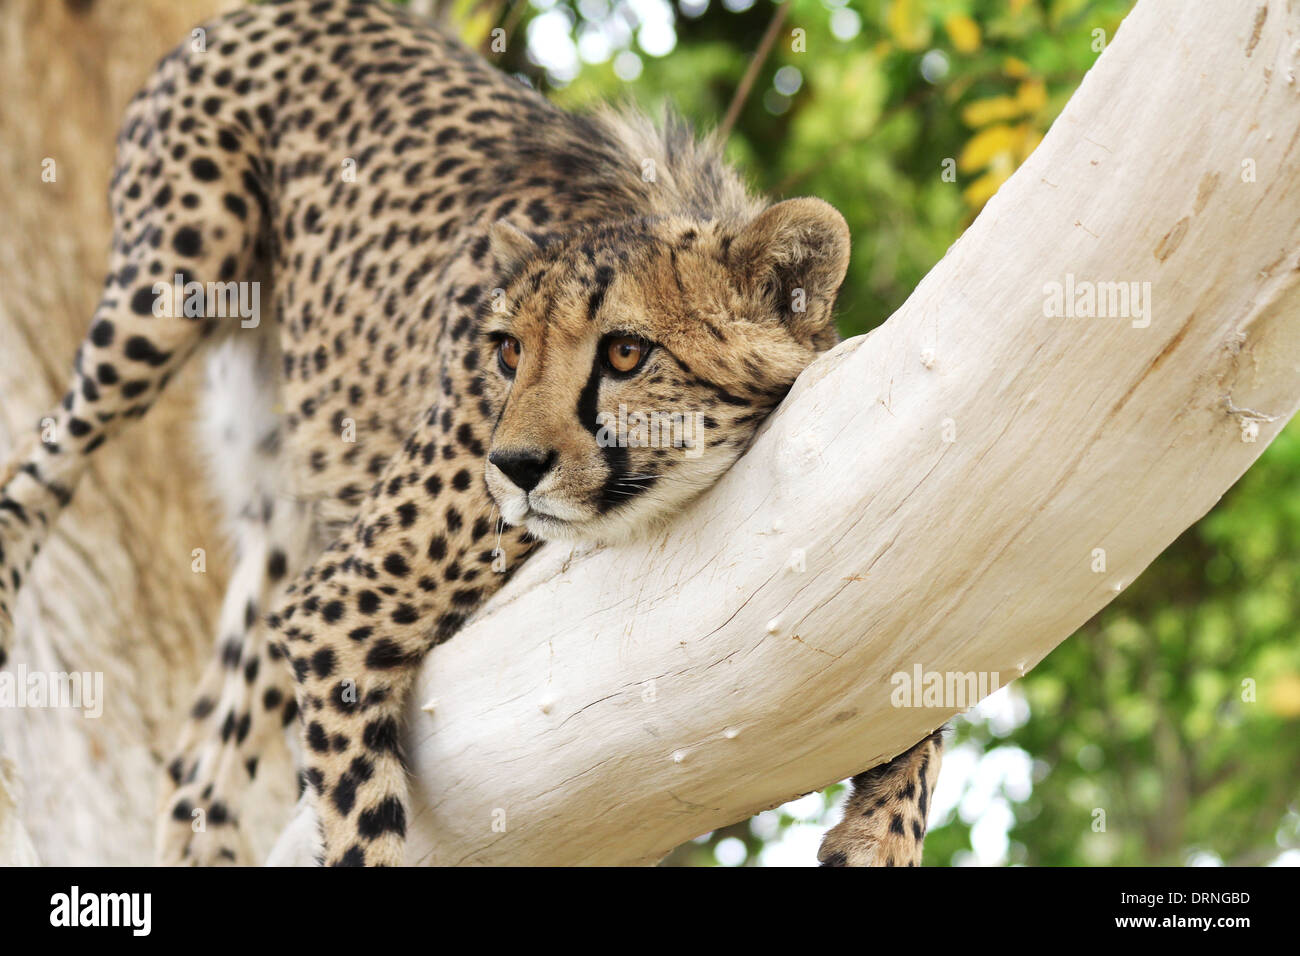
(482, 325)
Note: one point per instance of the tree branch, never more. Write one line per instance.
(751, 72)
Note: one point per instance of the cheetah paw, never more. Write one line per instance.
(878, 839)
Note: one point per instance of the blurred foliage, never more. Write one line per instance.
(1176, 710)
(859, 123)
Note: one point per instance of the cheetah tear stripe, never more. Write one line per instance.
(370, 212)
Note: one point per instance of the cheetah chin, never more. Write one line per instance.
(484, 321)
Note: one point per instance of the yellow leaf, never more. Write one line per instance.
(1018, 5)
(989, 142)
(1032, 95)
(907, 24)
(1015, 68)
(981, 190)
(1028, 144)
(964, 33)
(990, 110)
(1284, 696)
(472, 21)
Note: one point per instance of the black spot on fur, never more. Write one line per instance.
(387, 817)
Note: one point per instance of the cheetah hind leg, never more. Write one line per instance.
(135, 341)
(885, 816)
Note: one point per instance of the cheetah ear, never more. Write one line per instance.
(510, 247)
(795, 255)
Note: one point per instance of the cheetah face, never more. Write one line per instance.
(627, 367)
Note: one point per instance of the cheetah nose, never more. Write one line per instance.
(524, 467)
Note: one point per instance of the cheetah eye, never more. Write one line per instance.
(624, 354)
(509, 351)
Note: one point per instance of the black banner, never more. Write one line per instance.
(129, 906)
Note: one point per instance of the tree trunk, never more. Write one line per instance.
(956, 492)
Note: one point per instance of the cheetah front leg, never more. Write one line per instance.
(885, 817)
(419, 557)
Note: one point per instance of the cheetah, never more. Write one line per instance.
(449, 280)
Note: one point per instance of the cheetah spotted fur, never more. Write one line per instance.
(457, 277)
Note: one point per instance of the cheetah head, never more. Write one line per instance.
(628, 366)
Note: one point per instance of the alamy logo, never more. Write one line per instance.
(960, 690)
(1073, 299)
(652, 430)
(103, 909)
(214, 300)
(20, 688)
